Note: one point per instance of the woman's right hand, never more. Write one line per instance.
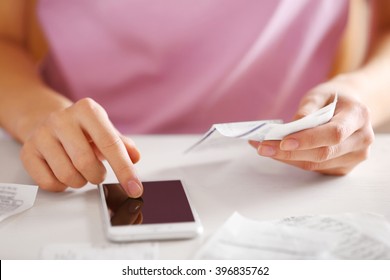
(67, 149)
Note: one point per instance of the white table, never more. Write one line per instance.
(219, 183)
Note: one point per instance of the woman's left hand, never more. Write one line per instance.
(334, 148)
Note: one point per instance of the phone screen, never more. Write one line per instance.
(161, 202)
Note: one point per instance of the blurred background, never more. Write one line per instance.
(349, 56)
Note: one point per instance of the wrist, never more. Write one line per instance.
(361, 85)
(357, 80)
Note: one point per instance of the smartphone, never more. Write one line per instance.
(163, 212)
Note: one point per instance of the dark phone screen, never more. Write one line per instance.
(161, 202)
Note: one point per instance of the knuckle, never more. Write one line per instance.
(325, 153)
(89, 106)
(98, 177)
(50, 183)
(56, 120)
(67, 176)
(77, 182)
(70, 177)
(90, 168)
(369, 138)
(110, 141)
(83, 161)
(364, 111)
(124, 169)
(339, 133)
(85, 103)
(310, 166)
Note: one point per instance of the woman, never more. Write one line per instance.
(178, 66)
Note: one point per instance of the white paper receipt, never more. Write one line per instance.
(15, 198)
(353, 236)
(264, 129)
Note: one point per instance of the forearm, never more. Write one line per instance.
(372, 80)
(377, 80)
(24, 99)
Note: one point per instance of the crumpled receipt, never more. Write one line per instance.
(15, 198)
(354, 236)
(262, 130)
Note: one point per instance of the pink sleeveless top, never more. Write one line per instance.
(177, 66)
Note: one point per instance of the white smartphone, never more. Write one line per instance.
(163, 212)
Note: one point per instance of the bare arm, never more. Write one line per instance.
(20, 84)
(63, 143)
(364, 101)
(373, 76)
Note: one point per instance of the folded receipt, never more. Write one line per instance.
(15, 198)
(263, 129)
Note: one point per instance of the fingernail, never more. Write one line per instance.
(133, 189)
(289, 144)
(267, 151)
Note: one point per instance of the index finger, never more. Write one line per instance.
(96, 123)
(334, 132)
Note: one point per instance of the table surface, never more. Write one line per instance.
(219, 182)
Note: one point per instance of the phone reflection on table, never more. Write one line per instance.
(123, 210)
